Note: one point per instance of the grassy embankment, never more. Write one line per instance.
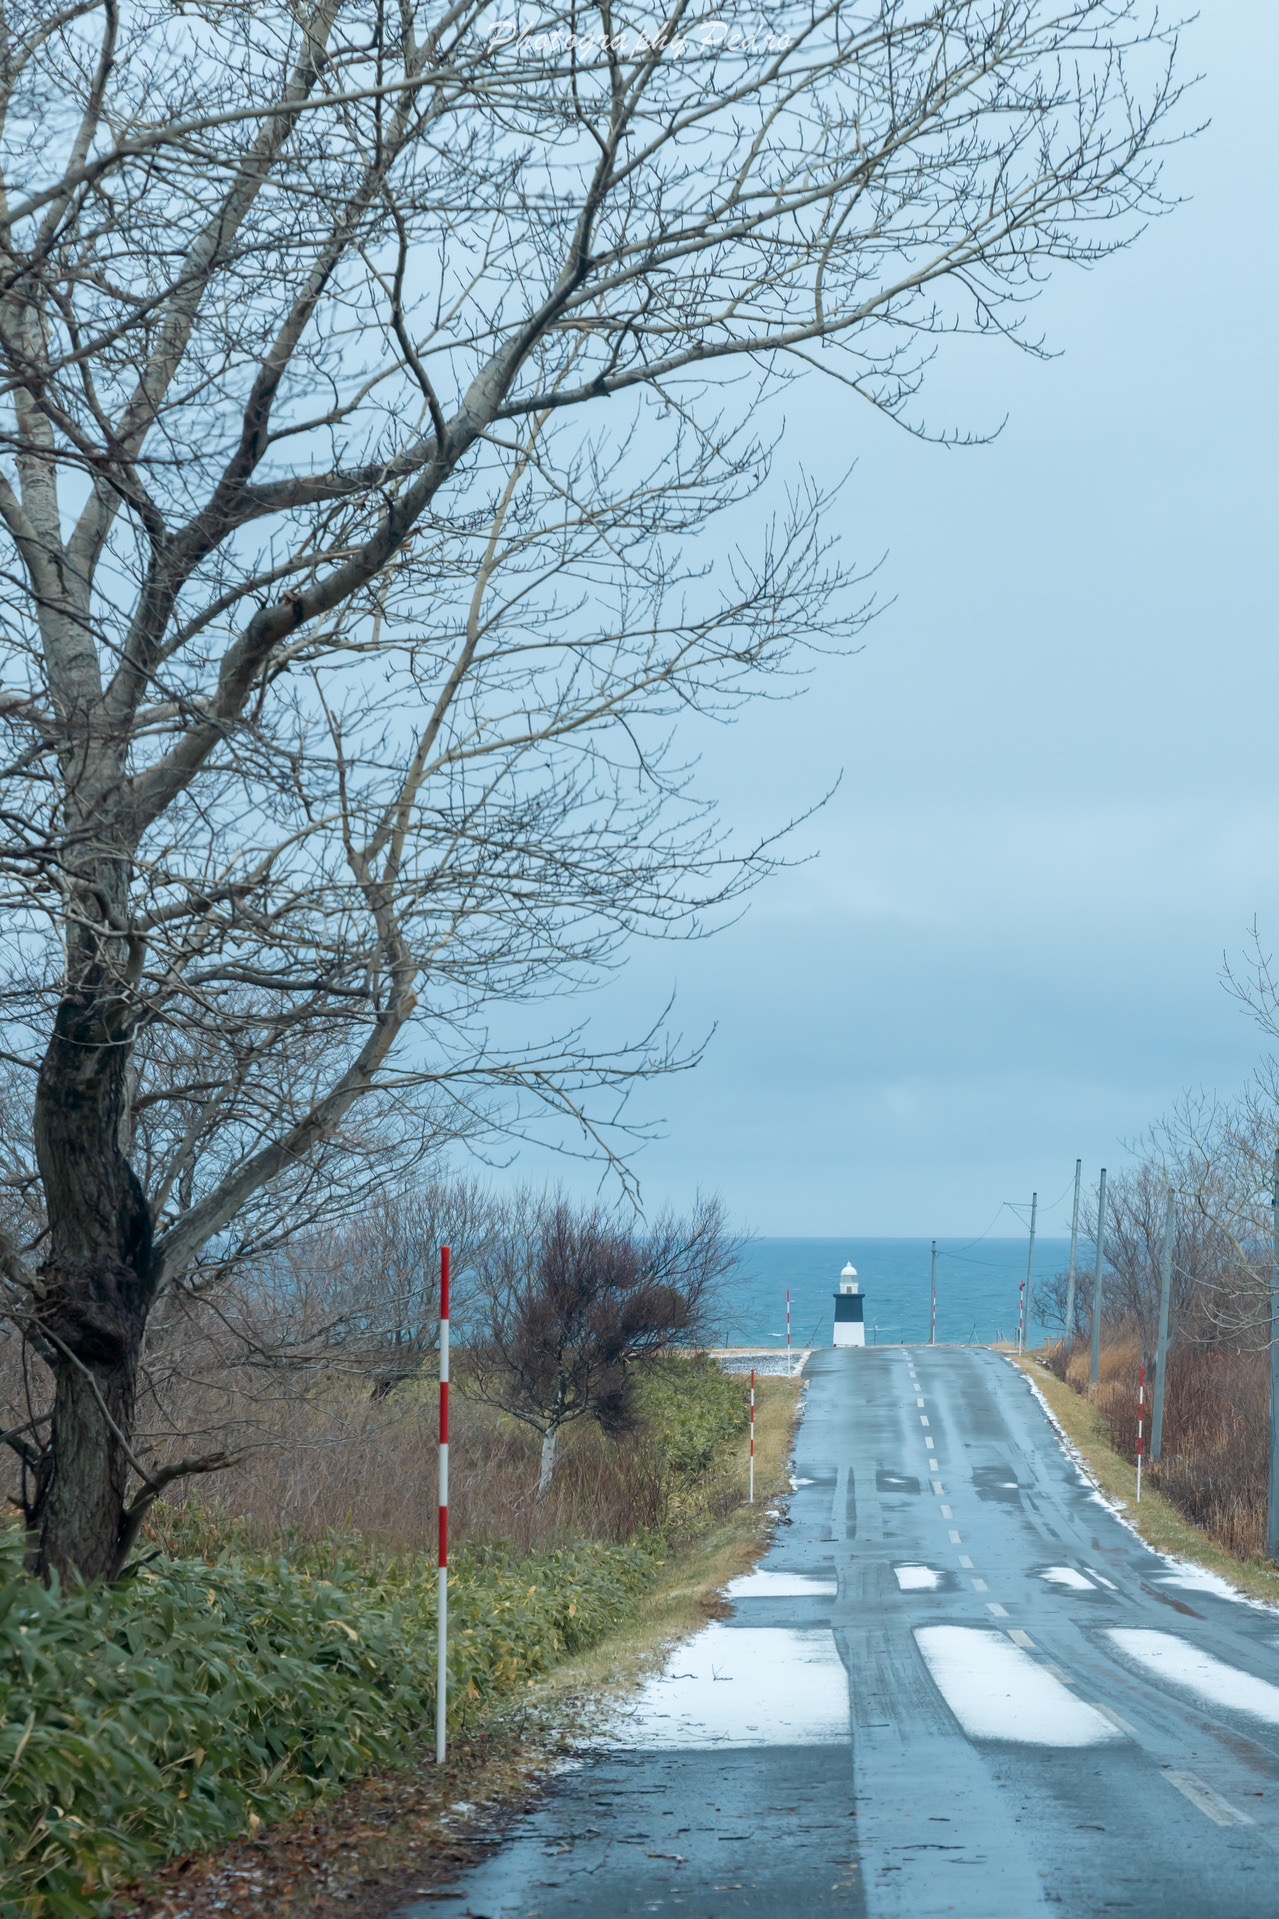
(1087, 1423)
(225, 1689)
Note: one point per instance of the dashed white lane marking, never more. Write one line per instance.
(993, 1606)
(931, 1445)
(1115, 1720)
(1101, 1578)
(917, 1579)
(946, 1513)
(1067, 1576)
(1207, 1800)
(954, 1537)
(923, 1419)
(996, 1691)
(1066, 1679)
(937, 1488)
(1178, 1663)
(919, 1402)
(965, 1562)
(1024, 1640)
(980, 1586)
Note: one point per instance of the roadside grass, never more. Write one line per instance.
(1157, 1519)
(408, 1826)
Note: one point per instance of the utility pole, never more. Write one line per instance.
(1272, 1515)
(1027, 1291)
(932, 1327)
(1074, 1246)
(1094, 1370)
(1161, 1350)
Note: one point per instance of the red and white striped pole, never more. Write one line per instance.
(1021, 1316)
(1141, 1423)
(788, 1332)
(752, 1496)
(442, 1588)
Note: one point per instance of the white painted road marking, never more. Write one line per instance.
(1102, 1580)
(965, 1562)
(937, 1488)
(997, 1691)
(1207, 1800)
(1024, 1640)
(1115, 1720)
(954, 1538)
(923, 1419)
(946, 1513)
(919, 1402)
(929, 1444)
(980, 1586)
(993, 1606)
(1178, 1663)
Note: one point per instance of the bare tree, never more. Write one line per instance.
(1214, 1156)
(370, 378)
(573, 1303)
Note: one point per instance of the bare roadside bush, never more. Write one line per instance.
(1216, 1444)
(568, 1310)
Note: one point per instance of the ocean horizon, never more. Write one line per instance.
(978, 1283)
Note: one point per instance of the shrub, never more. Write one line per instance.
(171, 1712)
(1215, 1462)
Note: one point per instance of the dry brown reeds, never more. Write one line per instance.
(1216, 1430)
(340, 1463)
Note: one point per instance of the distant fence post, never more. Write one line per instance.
(442, 1587)
(1094, 1369)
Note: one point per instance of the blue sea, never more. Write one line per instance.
(977, 1287)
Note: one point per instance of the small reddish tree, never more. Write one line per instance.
(575, 1302)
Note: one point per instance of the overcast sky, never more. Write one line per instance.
(1060, 802)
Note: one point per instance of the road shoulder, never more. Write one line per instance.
(1156, 1520)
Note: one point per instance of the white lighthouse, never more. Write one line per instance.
(850, 1310)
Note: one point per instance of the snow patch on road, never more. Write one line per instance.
(1067, 1576)
(764, 1583)
(736, 1686)
(917, 1579)
(1177, 1663)
(997, 1691)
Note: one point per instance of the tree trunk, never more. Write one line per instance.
(548, 1462)
(80, 1516)
(96, 1286)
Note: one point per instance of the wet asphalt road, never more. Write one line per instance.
(1030, 1724)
